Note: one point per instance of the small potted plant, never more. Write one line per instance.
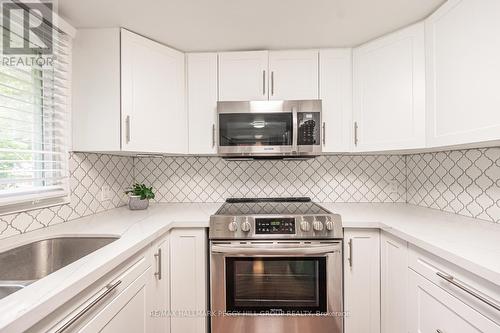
(138, 196)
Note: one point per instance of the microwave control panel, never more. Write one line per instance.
(274, 226)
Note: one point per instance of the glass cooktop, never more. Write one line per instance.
(270, 206)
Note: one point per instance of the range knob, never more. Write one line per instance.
(232, 226)
(317, 225)
(329, 224)
(245, 226)
(305, 226)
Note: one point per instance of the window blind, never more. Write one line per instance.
(35, 124)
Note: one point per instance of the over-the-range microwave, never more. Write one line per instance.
(269, 129)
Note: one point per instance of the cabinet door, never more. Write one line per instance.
(335, 91)
(394, 283)
(154, 118)
(362, 280)
(243, 76)
(126, 313)
(202, 102)
(159, 287)
(294, 75)
(431, 310)
(389, 92)
(188, 282)
(463, 73)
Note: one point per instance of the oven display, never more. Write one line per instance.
(275, 226)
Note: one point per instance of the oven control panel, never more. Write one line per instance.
(273, 226)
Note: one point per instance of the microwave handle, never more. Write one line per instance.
(274, 251)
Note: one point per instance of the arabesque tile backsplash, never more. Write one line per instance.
(465, 182)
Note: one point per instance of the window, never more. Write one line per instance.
(34, 126)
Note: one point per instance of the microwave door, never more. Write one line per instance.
(255, 133)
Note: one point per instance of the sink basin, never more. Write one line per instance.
(6, 290)
(33, 261)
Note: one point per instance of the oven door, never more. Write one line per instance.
(276, 286)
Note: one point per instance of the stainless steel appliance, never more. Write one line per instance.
(260, 129)
(275, 267)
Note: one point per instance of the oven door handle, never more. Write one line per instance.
(274, 251)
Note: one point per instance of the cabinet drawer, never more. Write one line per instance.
(84, 308)
(432, 309)
(469, 288)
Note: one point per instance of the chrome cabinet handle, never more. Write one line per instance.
(355, 133)
(127, 129)
(324, 133)
(439, 331)
(451, 280)
(350, 253)
(108, 289)
(158, 261)
(264, 82)
(213, 135)
(272, 83)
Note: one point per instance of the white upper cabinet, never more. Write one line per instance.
(243, 76)
(263, 75)
(202, 102)
(389, 92)
(335, 91)
(128, 94)
(293, 75)
(153, 110)
(463, 73)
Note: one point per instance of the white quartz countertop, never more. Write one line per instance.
(469, 243)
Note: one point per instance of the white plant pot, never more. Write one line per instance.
(135, 203)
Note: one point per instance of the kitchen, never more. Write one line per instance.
(333, 168)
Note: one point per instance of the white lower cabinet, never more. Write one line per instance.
(188, 276)
(433, 310)
(362, 280)
(159, 287)
(393, 283)
(127, 312)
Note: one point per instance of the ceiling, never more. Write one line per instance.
(219, 25)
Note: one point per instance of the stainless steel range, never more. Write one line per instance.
(276, 267)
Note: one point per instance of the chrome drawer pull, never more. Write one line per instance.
(451, 280)
(109, 289)
(439, 331)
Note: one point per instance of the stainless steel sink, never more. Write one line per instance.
(25, 264)
(7, 289)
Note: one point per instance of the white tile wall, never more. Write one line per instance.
(465, 182)
(88, 172)
(324, 179)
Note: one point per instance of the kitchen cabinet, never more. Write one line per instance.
(431, 309)
(243, 76)
(362, 280)
(153, 111)
(127, 312)
(463, 73)
(393, 283)
(128, 94)
(335, 91)
(188, 268)
(389, 92)
(159, 286)
(201, 69)
(293, 75)
(268, 75)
